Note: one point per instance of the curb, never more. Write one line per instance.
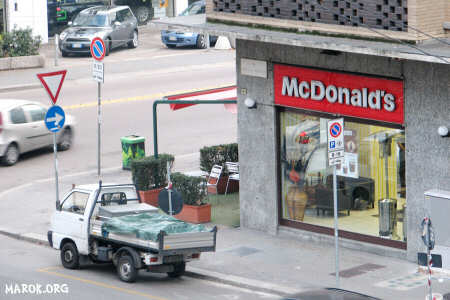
(19, 87)
(193, 272)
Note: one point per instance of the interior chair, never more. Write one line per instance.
(233, 173)
(213, 179)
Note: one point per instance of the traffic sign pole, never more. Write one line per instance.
(336, 226)
(55, 152)
(99, 128)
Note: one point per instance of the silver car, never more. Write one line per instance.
(116, 26)
(22, 129)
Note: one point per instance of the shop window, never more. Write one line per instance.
(373, 171)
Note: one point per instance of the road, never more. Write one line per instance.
(133, 80)
(29, 267)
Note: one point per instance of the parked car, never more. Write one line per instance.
(117, 26)
(174, 39)
(22, 129)
(329, 294)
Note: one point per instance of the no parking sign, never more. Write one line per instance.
(335, 141)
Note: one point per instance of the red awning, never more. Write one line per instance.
(225, 93)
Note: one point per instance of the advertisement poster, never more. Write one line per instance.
(349, 167)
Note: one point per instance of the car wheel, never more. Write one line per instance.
(126, 269)
(135, 41)
(107, 46)
(64, 53)
(142, 15)
(69, 256)
(201, 41)
(65, 141)
(11, 155)
(178, 270)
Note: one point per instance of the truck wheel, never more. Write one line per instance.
(70, 256)
(178, 270)
(126, 269)
(142, 15)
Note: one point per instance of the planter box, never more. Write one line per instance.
(22, 62)
(233, 186)
(150, 196)
(195, 214)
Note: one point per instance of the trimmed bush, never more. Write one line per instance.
(218, 155)
(19, 42)
(150, 172)
(191, 188)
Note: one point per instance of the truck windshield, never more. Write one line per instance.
(91, 20)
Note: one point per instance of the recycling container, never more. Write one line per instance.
(387, 211)
(133, 146)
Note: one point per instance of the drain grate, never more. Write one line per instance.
(358, 270)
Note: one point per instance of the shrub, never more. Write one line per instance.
(19, 42)
(191, 188)
(218, 155)
(150, 172)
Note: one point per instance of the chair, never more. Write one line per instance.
(233, 172)
(213, 179)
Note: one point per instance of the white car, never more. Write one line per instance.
(22, 129)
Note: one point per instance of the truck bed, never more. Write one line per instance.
(166, 244)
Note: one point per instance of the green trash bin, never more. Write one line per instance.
(133, 146)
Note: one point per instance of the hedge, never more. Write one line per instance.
(19, 42)
(150, 172)
(218, 155)
(191, 188)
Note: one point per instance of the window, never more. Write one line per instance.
(373, 170)
(36, 112)
(75, 202)
(117, 198)
(17, 116)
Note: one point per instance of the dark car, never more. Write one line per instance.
(116, 26)
(329, 294)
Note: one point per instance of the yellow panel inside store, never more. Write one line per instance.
(374, 170)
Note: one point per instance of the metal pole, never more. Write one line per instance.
(56, 48)
(56, 170)
(336, 236)
(99, 119)
(427, 224)
(169, 190)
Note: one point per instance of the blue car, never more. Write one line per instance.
(174, 39)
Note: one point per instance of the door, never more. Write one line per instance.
(70, 221)
(121, 29)
(19, 129)
(39, 136)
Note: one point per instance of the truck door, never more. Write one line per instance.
(71, 220)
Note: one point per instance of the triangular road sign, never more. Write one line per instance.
(52, 83)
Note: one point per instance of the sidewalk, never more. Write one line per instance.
(247, 258)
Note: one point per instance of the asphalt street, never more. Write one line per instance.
(34, 272)
(133, 80)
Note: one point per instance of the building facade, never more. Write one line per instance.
(307, 62)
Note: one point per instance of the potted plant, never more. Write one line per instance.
(193, 192)
(218, 155)
(150, 176)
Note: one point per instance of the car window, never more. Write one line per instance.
(17, 116)
(75, 202)
(90, 19)
(194, 9)
(36, 112)
(112, 18)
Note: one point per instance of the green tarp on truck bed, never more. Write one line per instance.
(146, 226)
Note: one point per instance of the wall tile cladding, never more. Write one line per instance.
(380, 14)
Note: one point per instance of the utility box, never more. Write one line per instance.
(438, 202)
(133, 146)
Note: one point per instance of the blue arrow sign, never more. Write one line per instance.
(55, 118)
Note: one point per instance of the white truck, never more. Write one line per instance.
(82, 229)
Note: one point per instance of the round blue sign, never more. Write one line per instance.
(55, 118)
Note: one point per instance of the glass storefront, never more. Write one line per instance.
(371, 180)
(2, 16)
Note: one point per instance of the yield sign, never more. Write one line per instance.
(52, 83)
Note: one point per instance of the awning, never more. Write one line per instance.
(224, 93)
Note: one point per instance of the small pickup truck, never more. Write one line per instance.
(100, 223)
